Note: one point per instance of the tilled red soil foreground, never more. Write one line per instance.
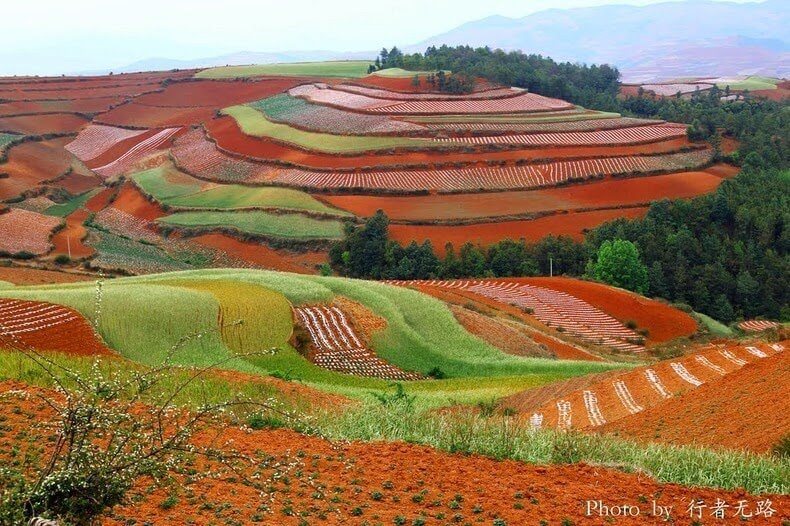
(318, 482)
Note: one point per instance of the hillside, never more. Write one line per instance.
(261, 165)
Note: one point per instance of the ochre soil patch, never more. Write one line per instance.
(100, 200)
(31, 163)
(57, 329)
(263, 256)
(609, 193)
(219, 93)
(664, 322)
(132, 201)
(42, 124)
(560, 349)
(337, 478)
(72, 236)
(725, 171)
(143, 116)
(573, 224)
(229, 137)
(500, 334)
(34, 276)
(747, 409)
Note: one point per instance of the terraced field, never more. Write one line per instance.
(260, 152)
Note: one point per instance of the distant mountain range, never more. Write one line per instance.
(653, 42)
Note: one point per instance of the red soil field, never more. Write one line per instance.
(748, 408)
(664, 322)
(562, 350)
(77, 182)
(778, 94)
(131, 201)
(34, 276)
(47, 327)
(100, 200)
(143, 116)
(31, 163)
(516, 492)
(572, 224)
(130, 90)
(218, 93)
(42, 124)
(229, 137)
(262, 256)
(608, 193)
(118, 149)
(72, 236)
(95, 105)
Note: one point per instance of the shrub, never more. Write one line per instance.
(782, 448)
(436, 373)
(104, 443)
(62, 259)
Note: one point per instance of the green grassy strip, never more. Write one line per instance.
(171, 187)
(751, 83)
(340, 68)
(401, 73)
(65, 209)
(505, 438)
(256, 222)
(253, 122)
(715, 327)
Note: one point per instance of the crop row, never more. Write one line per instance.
(474, 179)
(634, 135)
(338, 347)
(301, 114)
(633, 392)
(524, 102)
(25, 231)
(594, 123)
(757, 325)
(97, 139)
(378, 93)
(46, 327)
(136, 153)
(125, 224)
(195, 154)
(559, 309)
(553, 308)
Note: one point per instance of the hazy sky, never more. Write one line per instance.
(53, 36)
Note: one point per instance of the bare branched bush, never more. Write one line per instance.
(112, 426)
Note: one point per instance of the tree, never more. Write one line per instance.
(722, 309)
(618, 264)
(415, 82)
(367, 248)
